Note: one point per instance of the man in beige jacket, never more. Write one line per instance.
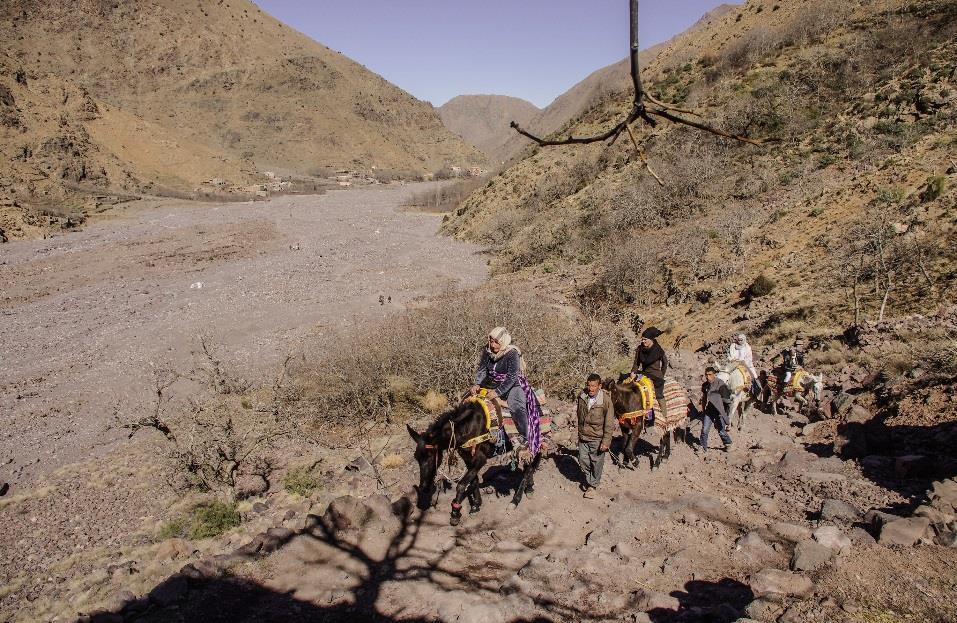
(596, 426)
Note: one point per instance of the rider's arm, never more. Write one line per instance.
(482, 372)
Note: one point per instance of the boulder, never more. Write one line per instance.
(810, 556)
(789, 531)
(171, 549)
(752, 549)
(842, 403)
(943, 494)
(813, 429)
(934, 515)
(832, 538)
(859, 415)
(763, 610)
(877, 518)
(776, 583)
(861, 537)
(838, 510)
(945, 535)
(347, 513)
(250, 485)
(850, 441)
(905, 531)
(647, 600)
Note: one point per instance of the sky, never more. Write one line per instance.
(437, 49)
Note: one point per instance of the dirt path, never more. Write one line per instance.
(87, 315)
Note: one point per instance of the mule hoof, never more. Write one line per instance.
(454, 521)
(474, 509)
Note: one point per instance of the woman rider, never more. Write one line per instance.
(650, 360)
(500, 370)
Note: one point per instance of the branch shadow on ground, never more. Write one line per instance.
(209, 592)
(722, 601)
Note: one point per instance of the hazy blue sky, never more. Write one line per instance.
(437, 49)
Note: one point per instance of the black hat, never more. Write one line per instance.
(651, 333)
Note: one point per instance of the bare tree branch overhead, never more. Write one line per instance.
(639, 110)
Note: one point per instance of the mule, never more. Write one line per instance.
(629, 400)
(451, 433)
(804, 386)
(738, 379)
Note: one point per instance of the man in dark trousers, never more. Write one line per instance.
(596, 426)
(715, 401)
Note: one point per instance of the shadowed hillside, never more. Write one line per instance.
(483, 120)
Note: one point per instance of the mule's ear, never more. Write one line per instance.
(415, 436)
(609, 383)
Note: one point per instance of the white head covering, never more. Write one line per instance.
(741, 338)
(502, 336)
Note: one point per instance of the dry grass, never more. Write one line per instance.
(445, 197)
(393, 461)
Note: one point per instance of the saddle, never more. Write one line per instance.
(793, 386)
(502, 426)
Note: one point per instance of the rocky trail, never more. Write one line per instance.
(767, 531)
(89, 317)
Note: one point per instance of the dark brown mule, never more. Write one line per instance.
(452, 429)
(626, 398)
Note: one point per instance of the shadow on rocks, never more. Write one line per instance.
(721, 601)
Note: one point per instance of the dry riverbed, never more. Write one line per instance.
(85, 317)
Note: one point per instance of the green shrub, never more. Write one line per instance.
(213, 519)
(173, 529)
(826, 160)
(762, 286)
(301, 481)
(816, 212)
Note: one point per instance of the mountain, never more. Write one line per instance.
(483, 120)
(844, 215)
(231, 86)
(599, 84)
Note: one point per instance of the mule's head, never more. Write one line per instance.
(816, 386)
(427, 455)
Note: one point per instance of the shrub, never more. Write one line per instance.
(301, 481)
(175, 528)
(213, 519)
(762, 286)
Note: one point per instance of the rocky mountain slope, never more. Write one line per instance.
(242, 90)
(813, 231)
(483, 120)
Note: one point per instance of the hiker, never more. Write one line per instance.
(596, 425)
(791, 358)
(740, 350)
(650, 360)
(715, 401)
(501, 370)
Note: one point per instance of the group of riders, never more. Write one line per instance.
(501, 377)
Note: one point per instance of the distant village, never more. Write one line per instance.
(275, 184)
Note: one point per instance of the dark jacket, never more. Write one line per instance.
(652, 362)
(509, 365)
(597, 423)
(716, 394)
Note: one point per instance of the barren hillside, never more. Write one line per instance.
(483, 120)
(240, 85)
(855, 191)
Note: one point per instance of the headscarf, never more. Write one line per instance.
(741, 339)
(502, 336)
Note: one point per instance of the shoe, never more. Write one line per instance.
(589, 493)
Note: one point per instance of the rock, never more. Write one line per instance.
(359, 465)
(639, 617)
(842, 403)
(861, 537)
(792, 615)
(751, 548)
(251, 548)
(778, 584)
(935, 516)
(876, 519)
(832, 538)
(171, 549)
(250, 485)
(347, 513)
(624, 550)
(905, 531)
(796, 458)
(789, 531)
(945, 535)
(859, 415)
(877, 462)
(810, 556)
(259, 508)
(384, 512)
(814, 428)
(763, 610)
(837, 510)
(850, 441)
(944, 492)
(275, 537)
(170, 592)
(646, 600)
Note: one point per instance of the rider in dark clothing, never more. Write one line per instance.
(650, 360)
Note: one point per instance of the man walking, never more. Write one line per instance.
(596, 426)
(715, 401)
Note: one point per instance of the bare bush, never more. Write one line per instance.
(385, 375)
(445, 197)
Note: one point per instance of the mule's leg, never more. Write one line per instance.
(460, 492)
(475, 498)
(527, 477)
(630, 442)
